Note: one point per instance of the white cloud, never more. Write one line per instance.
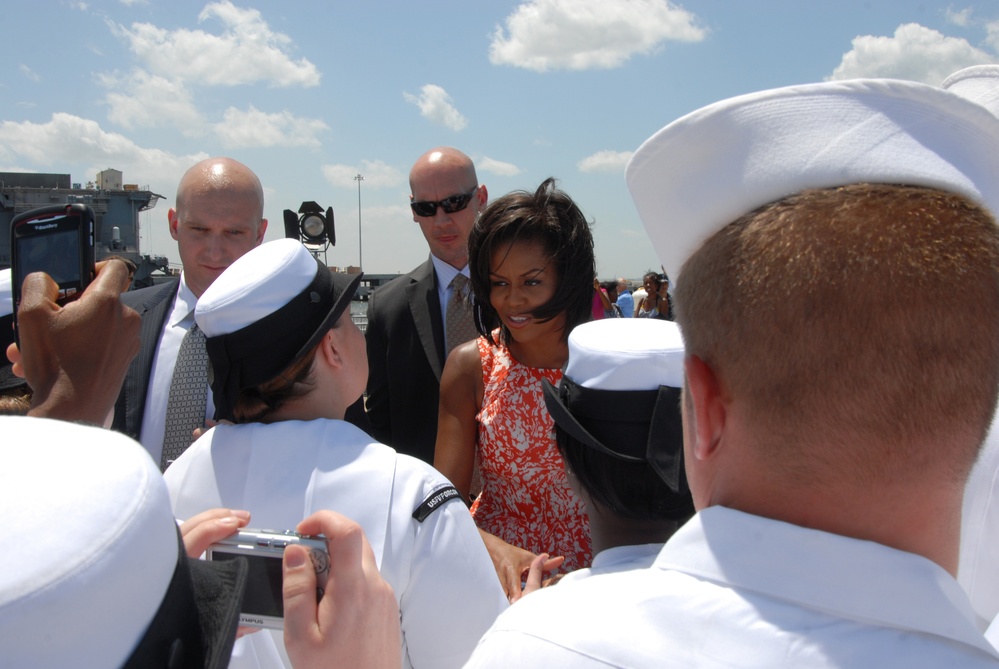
(150, 101)
(436, 106)
(487, 164)
(254, 128)
(29, 73)
(544, 35)
(605, 161)
(993, 35)
(71, 140)
(376, 175)
(247, 51)
(959, 17)
(915, 53)
(173, 63)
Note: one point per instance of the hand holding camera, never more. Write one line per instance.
(356, 620)
(208, 527)
(263, 601)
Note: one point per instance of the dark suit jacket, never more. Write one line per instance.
(405, 342)
(153, 305)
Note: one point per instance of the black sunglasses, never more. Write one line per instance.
(448, 204)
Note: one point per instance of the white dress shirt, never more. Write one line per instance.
(176, 325)
(734, 590)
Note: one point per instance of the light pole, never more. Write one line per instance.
(360, 247)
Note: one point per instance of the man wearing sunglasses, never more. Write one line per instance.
(407, 336)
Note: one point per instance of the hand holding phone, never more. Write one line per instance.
(57, 240)
(75, 357)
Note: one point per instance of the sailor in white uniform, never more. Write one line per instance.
(618, 428)
(287, 361)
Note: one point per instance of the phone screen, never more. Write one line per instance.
(56, 254)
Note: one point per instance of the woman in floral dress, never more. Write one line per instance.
(532, 268)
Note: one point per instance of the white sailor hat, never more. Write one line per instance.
(266, 311)
(620, 392)
(95, 574)
(7, 379)
(710, 167)
(6, 297)
(978, 83)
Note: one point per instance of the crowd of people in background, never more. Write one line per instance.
(776, 452)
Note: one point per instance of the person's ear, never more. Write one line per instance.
(174, 221)
(261, 229)
(708, 407)
(330, 350)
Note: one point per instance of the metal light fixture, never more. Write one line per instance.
(311, 225)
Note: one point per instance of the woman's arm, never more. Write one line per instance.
(602, 294)
(457, 432)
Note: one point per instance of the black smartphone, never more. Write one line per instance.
(57, 240)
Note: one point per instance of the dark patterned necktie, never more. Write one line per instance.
(188, 396)
(458, 324)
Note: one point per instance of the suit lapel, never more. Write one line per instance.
(425, 306)
(153, 312)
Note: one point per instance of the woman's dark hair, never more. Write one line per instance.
(254, 404)
(654, 276)
(629, 489)
(550, 217)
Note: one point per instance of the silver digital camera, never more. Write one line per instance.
(263, 601)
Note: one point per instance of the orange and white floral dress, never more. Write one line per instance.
(526, 499)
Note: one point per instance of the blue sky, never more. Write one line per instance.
(309, 94)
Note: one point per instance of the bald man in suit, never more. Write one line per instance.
(218, 217)
(405, 333)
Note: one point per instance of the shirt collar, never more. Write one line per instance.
(183, 305)
(612, 558)
(848, 578)
(445, 272)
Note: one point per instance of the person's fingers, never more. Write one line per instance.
(534, 574)
(112, 276)
(349, 553)
(511, 582)
(201, 531)
(37, 288)
(14, 357)
(299, 592)
(357, 619)
(553, 563)
(38, 295)
(103, 296)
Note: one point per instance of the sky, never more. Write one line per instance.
(310, 94)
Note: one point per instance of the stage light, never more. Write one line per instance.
(311, 226)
